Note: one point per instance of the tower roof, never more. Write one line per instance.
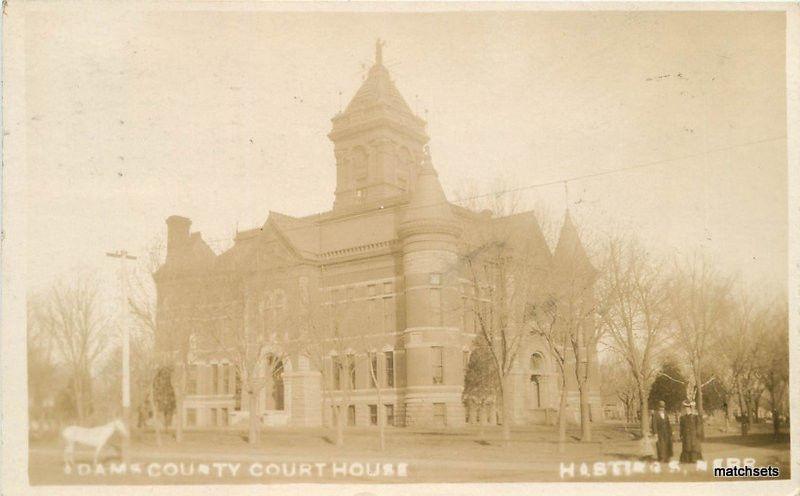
(428, 205)
(569, 252)
(378, 102)
(378, 89)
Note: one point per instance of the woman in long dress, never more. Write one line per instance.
(688, 431)
(697, 449)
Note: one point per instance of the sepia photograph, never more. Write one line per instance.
(382, 245)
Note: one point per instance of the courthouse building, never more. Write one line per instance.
(390, 250)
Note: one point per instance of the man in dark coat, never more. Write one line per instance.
(661, 427)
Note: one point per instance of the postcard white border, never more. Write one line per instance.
(14, 468)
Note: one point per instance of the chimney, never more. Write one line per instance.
(177, 235)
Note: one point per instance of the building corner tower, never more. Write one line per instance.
(429, 234)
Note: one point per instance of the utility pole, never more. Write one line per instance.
(123, 255)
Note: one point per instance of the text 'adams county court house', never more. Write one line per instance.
(366, 308)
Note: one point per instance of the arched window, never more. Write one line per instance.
(537, 363)
(404, 161)
(360, 166)
(277, 382)
(537, 368)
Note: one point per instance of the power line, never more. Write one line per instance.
(625, 169)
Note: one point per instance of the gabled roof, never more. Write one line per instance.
(524, 231)
(249, 244)
(300, 235)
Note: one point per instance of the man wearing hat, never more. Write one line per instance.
(690, 446)
(661, 427)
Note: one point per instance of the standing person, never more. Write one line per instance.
(661, 427)
(699, 432)
(688, 431)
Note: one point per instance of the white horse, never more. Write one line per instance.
(95, 437)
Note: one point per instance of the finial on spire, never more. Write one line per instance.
(379, 52)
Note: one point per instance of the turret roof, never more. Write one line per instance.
(378, 89)
(428, 201)
(570, 252)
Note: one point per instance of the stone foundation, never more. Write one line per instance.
(421, 407)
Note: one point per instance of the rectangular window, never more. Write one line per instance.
(351, 367)
(464, 314)
(388, 314)
(237, 390)
(372, 290)
(224, 415)
(373, 414)
(389, 414)
(387, 288)
(351, 415)
(389, 355)
(214, 420)
(226, 378)
(437, 364)
(373, 370)
(336, 367)
(191, 417)
(215, 378)
(439, 414)
(435, 279)
(191, 379)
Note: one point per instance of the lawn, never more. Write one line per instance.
(460, 455)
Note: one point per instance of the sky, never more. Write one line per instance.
(223, 116)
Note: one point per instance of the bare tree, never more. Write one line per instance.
(774, 363)
(502, 286)
(507, 271)
(375, 378)
(635, 313)
(42, 366)
(552, 320)
(617, 380)
(327, 330)
(72, 316)
(142, 304)
(738, 345)
(234, 326)
(573, 281)
(699, 298)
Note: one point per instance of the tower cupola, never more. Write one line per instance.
(378, 141)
